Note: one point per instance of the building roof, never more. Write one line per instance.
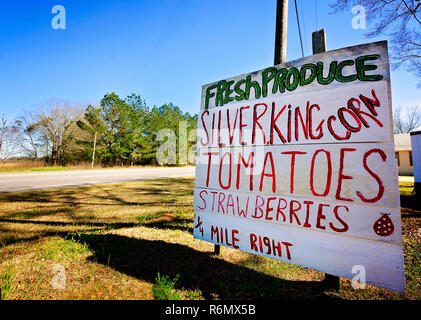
(403, 142)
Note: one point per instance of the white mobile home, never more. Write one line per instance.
(403, 154)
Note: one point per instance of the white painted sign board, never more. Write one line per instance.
(296, 162)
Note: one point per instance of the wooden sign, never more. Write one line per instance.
(296, 162)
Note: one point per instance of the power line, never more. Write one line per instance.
(304, 27)
(299, 29)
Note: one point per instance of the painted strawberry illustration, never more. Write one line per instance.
(384, 225)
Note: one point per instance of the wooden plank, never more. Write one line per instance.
(347, 219)
(327, 252)
(364, 173)
(320, 117)
(380, 65)
(217, 249)
(319, 41)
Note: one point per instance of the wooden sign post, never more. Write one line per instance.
(319, 45)
(296, 162)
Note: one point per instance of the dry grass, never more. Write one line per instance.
(113, 240)
(40, 165)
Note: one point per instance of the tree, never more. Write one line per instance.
(3, 130)
(141, 146)
(398, 19)
(56, 122)
(170, 117)
(118, 136)
(8, 136)
(30, 140)
(406, 119)
(94, 126)
(116, 131)
(119, 127)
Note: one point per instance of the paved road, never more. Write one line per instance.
(23, 181)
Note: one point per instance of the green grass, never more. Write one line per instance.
(147, 217)
(412, 266)
(406, 188)
(60, 250)
(130, 240)
(164, 288)
(6, 283)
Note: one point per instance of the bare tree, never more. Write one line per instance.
(398, 19)
(3, 128)
(8, 136)
(29, 136)
(406, 119)
(56, 124)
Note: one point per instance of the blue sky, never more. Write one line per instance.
(163, 50)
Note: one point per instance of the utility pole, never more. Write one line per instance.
(281, 32)
(93, 151)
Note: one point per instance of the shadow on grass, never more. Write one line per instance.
(65, 197)
(182, 224)
(116, 225)
(412, 203)
(143, 259)
(177, 223)
(67, 204)
(214, 277)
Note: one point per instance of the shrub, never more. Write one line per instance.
(164, 288)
